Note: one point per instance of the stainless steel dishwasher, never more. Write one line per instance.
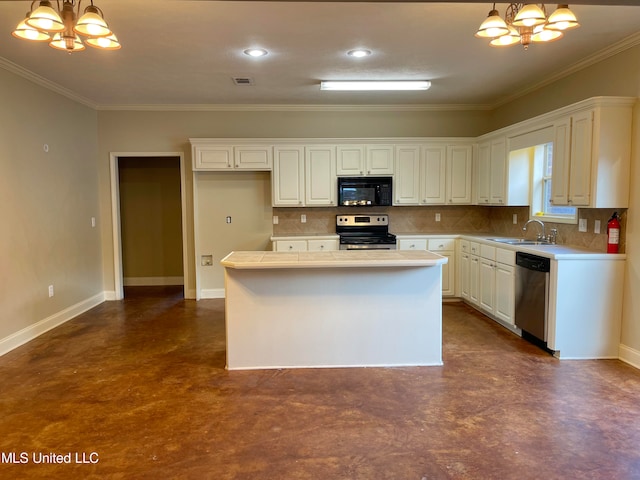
(532, 296)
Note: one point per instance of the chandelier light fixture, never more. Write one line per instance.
(64, 28)
(524, 23)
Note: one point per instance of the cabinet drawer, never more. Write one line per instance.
(507, 257)
(290, 246)
(412, 244)
(322, 245)
(474, 248)
(442, 244)
(488, 252)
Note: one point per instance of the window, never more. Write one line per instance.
(541, 206)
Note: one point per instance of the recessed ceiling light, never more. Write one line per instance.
(359, 52)
(255, 52)
(376, 85)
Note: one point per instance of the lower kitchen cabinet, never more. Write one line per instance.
(442, 246)
(306, 244)
(487, 279)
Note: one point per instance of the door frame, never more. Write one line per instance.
(118, 274)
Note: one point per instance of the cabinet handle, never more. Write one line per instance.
(321, 247)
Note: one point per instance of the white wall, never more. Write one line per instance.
(47, 201)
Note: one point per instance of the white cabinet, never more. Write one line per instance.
(304, 244)
(209, 156)
(505, 294)
(442, 246)
(491, 171)
(458, 181)
(487, 278)
(433, 174)
(304, 176)
(464, 270)
(287, 179)
(591, 157)
(496, 277)
(406, 185)
(447, 248)
(320, 176)
(357, 160)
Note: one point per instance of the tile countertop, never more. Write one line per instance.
(333, 259)
(555, 252)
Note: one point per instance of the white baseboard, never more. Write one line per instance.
(110, 295)
(190, 293)
(32, 331)
(212, 293)
(152, 281)
(630, 355)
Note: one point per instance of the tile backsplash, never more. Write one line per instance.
(469, 219)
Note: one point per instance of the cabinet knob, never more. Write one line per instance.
(321, 247)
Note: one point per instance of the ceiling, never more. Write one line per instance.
(185, 53)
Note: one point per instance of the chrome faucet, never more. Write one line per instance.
(541, 236)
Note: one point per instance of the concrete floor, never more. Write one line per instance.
(139, 387)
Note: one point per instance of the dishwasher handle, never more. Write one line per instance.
(533, 262)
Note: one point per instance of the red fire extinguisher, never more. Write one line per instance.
(613, 233)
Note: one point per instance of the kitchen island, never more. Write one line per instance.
(333, 309)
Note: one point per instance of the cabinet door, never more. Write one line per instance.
(212, 157)
(290, 246)
(474, 279)
(433, 175)
(581, 149)
(487, 284)
(253, 157)
(497, 182)
(320, 176)
(288, 176)
(459, 174)
(448, 274)
(379, 159)
(561, 162)
(322, 245)
(412, 244)
(406, 188)
(483, 183)
(464, 275)
(505, 293)
(350, 160)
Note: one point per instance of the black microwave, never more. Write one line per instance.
(364, 191)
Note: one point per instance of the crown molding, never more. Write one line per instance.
(43, 82)
(294, 108)
(624, 44)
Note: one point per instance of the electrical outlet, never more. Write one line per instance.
(596, 226)
(515, 218)
(206, 260)
(93, 222)
(229, 219)
(50, 291)
(275, 219)
(303, 218)
(437, 217)
(582, 225)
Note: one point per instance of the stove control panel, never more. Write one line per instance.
(373, 220)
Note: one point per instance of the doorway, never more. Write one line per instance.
(149, 217)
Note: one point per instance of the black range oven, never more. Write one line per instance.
(365, 232)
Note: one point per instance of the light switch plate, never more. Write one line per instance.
(515, 218)
(437, 217)
(596, 226)
(582, 225)
(303, 218)
(275, 220)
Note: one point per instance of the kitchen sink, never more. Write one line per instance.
(520, 241)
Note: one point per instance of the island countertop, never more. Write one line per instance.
(332, 259)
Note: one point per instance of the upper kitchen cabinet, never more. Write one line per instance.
(458, 181)
(320, 176)
(433, 174)
(304, 176)
(592, 156)
(287, 179)
(358, 160)
(501, 178)
(210, 155)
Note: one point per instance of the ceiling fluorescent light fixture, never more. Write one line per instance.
(399, 85)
